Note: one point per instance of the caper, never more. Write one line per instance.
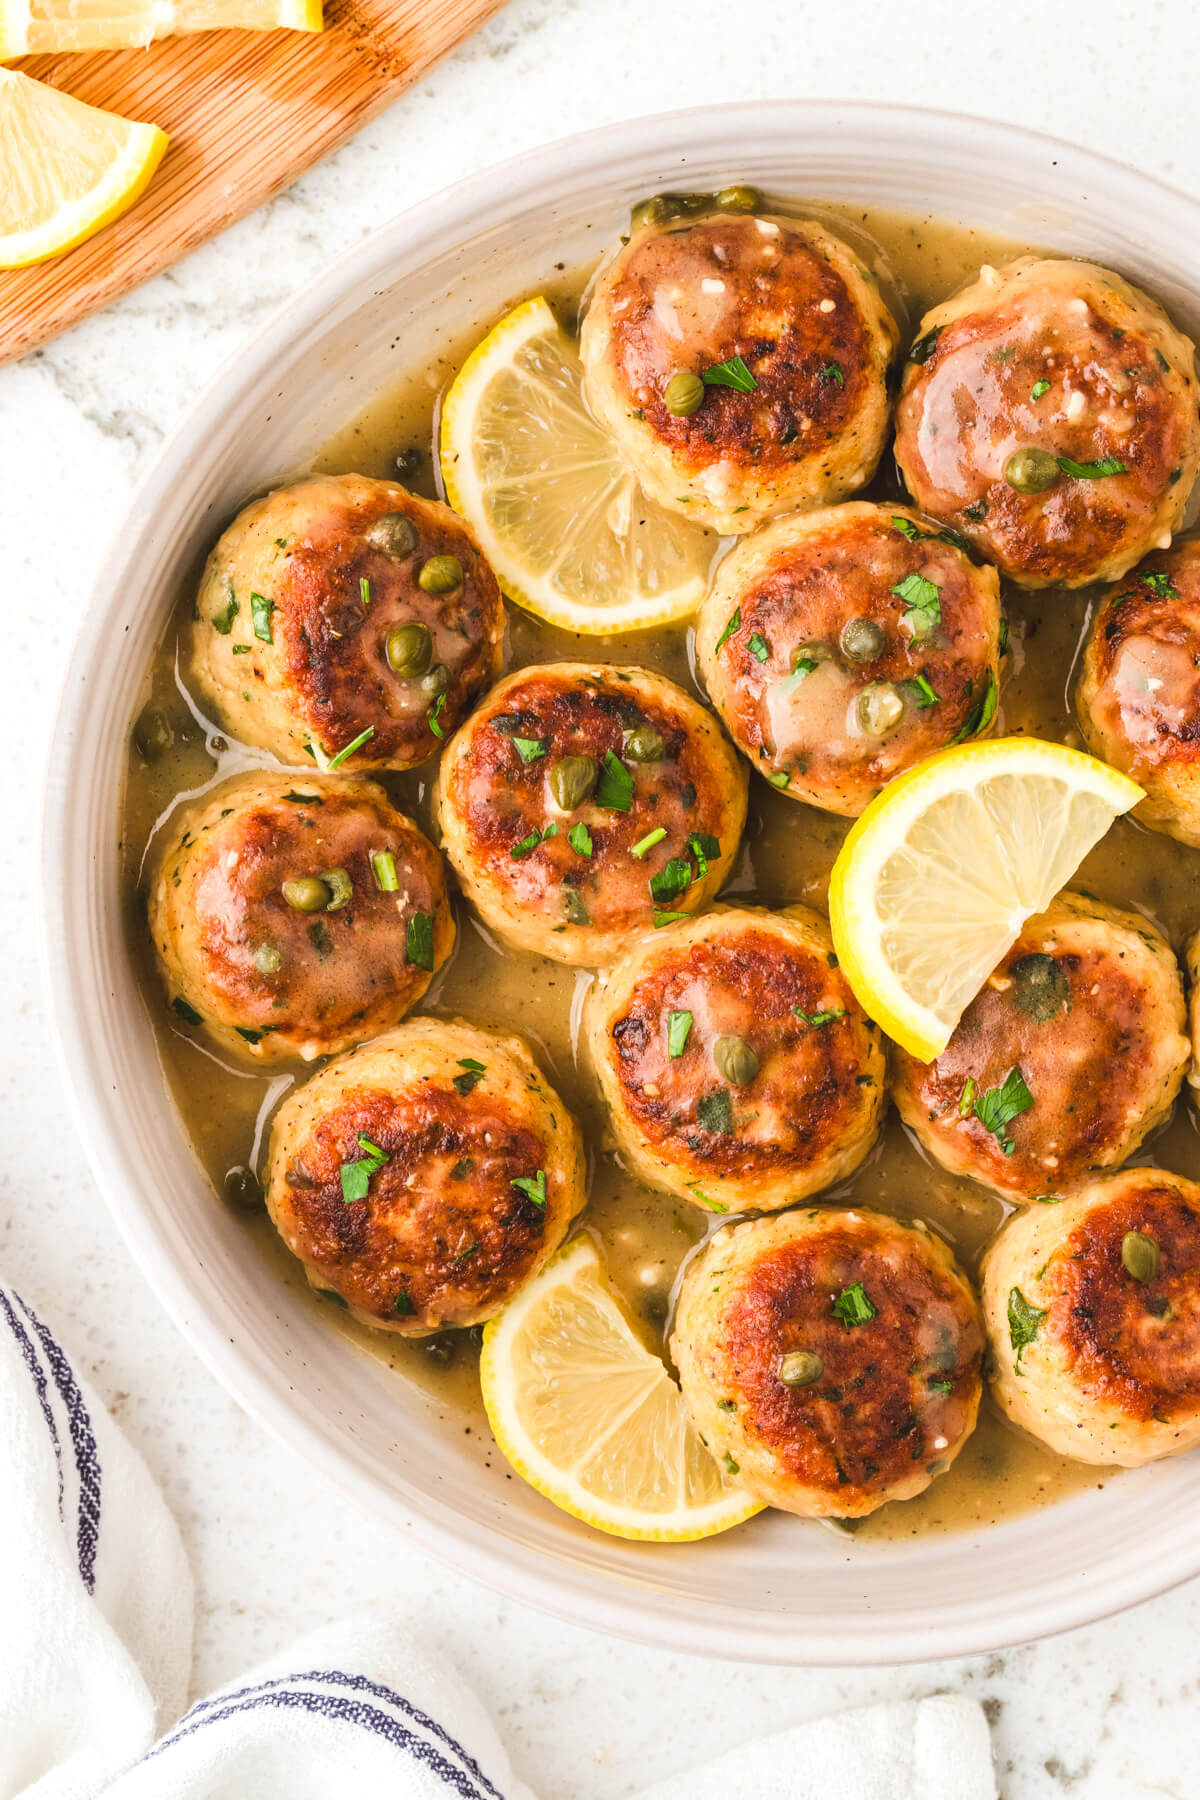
(654, 211)
(408, 461)
(435, 681)
(571, 781)
(440, 575)
(340, 886)
(735, 1060)
(152, 735)
(243, 1188)
(1140, 1255)
(684, 394)
(267, 960)
(800, 1368)
(739, 199)
(1040, 987)
(879, 708)
(307, 893)
(642, 745)
(1031, 471)
(862, 640)
(409, 650)
(394, 533)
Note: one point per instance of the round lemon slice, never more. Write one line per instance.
(66, 169)
(560, 518)
(50, 26)
(591, 1419)
(936, 879)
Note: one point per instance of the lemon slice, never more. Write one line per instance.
(591, 1419)
(66, 169)
(30, 26)
(936, 879)
(560, 518)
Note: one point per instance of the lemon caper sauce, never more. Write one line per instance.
(786, 857)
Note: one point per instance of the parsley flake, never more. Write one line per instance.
(356, 1175)
(335, 762)
(926, 695)
(364, 592)
(532, 1186)
(1039, 388)
(999, 1106)
(675, 877)
(383, 863)
(473, 1073)
(715, 1111)
(853, 1307)
(705, 848)
(732, 373)
(1092, 471)
(1024, 1322)
(679, 1024)
(732, 624)
(1160, 584)
(833, 372)
(434, 714)
(667, 918)
(260, 612)
(923, 600)
(758, 646)
(419, 945)
(529, 749)
(614, 786)
(981, 714)
(223, 620)
(825, 1017)
(580, 839)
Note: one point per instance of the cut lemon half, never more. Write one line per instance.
(66, 169)
(560, 518)
(591, 1419)
(936, 879)
(32, 26)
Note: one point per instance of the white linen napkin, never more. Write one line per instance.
(96, 1599)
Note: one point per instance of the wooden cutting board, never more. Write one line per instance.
(246, 112)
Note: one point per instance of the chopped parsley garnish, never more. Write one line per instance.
(923, 599)
(1024, 1322)
(716, 1206)
(580, 839)
(463, 1168)
(675, 877)
(1092, 471)
(999, 1106)
(574, 907)
(419, 945)
(473, 1073)
(715, 1111)
(529, 749)
(531, 842)
(364, 592)
(826, 1017)
(1160, 584)
(914, 534)
(779, 779)
(966, 1100)
(335, 762)
(242, 649)
(356, 1176)
(705, 848)
(532, 1186)
(733, 1467)
(1039, 388)
(260, 611)
(938, 1385)
(926, 695)
(981, 714)
(732, 624)
(469, 1251)
(434, 714)
(319, 938)
(678, 1026)
(404, 1306)
(384, 865)
(667, 918)
(834, 372)
(1005, 634)
(251, 1036)
(646, 844)
(187, 1013)
(614, 786)
(853, 1307)
(758, 646)
(732, 373)
(925, 346)
(223, 620)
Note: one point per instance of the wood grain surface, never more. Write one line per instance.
(246, 112)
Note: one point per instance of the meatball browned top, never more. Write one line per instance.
(788, 341)
(584, 802)
(843, 646)
(344, 611)
(294, 915)
(1048, 412)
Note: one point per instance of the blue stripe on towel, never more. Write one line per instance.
(38, 1375)
(83, 1442)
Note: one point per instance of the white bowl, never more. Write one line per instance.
(775, 1591)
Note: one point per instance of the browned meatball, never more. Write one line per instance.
(842, 646)
(294, 915)
(804, 415)
(1139, 688)
(832, 1357)
(1072, 1052)
(425, 1176)
(1048, 412)
(340, 607)
(583, 803)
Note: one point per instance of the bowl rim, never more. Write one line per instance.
(672, 1621)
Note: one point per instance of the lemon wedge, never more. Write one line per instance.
(560, 518)
(31, 26)
(936, 879)
(66, 169)
(591, 1419)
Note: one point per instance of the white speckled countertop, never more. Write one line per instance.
(1105, 1712)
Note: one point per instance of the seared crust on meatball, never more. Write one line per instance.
(1069, 1056)
(808, 322)
(272, 978)
(1093, 1313)
(665, 1029)
(427, 1175)
(1138, 697)
(582, 802)
(1067, 359)
(1192, 959)
(833, 1356)
(289, 638)
(842, 646)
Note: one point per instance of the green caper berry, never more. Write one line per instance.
(394, 533)
(735, 1060)
(340, 886)
(409, 650)
(655, 211)
(435, 681)
(440, 575)
(571, 781)
(307, 893)
(1140, 1255)
(1031, 471)
(862, 640)
(879, 708)
(643, 745)
(267, 960)
(243, 1188)
(1040, 987)
(152, 735)
(684, 394)
(800, 1368)
(739, 199)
